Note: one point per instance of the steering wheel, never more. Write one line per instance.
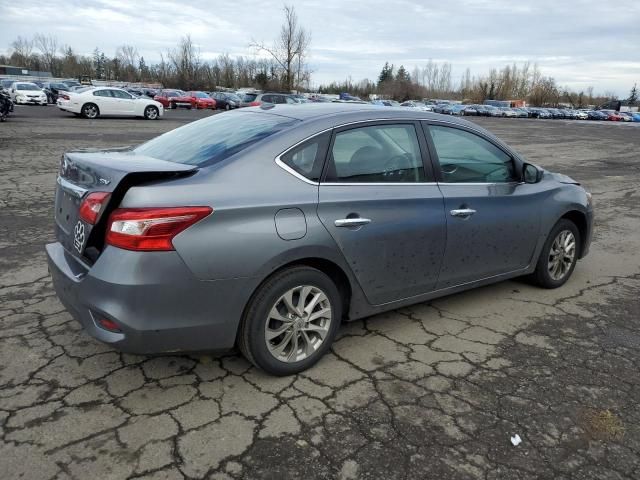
(395, 165)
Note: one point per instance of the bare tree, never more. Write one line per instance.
(290, 49)
(22, 50)
(186, 62)
(48, 46)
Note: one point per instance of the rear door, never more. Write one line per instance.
(105, 101)
(380, 204)
(493, 221)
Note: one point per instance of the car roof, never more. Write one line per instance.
(345, 112)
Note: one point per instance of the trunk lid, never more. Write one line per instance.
(113, 171)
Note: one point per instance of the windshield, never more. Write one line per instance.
(249, 97)
(200, 95)
(27, 86)
(213, 139)
(174, 93)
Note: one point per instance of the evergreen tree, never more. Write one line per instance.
(144, 70)
(403, 74)
(633, 95)
(98, 65)
(386, 73)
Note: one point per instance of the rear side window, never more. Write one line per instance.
(249, 97)
(307, 159)
(376, 154)
(214, 139)
(102, 93)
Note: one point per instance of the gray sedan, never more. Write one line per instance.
(267, 227)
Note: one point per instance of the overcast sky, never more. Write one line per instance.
(579, 42)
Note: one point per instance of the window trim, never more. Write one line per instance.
(426, 124)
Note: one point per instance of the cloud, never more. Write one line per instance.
(581, 43)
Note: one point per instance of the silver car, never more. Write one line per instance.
(267, 227)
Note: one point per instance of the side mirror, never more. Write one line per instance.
(531, 173)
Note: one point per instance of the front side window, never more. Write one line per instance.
(378, 154)
(307, 158)
(121, 94)
(465, 157)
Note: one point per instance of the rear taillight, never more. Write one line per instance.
(255, 104)
(151, 229)
(64, 97)
(93, 205)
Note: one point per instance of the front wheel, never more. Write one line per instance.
(559, 255)
(151, 113)
(291, 321)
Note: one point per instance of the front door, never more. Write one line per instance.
(492, 220)
(125, 102)
(379, 203)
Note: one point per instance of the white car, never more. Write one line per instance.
(23, 93)
(91, 102)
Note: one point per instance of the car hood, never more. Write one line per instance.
(561, 178)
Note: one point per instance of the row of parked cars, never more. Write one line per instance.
(517, 112)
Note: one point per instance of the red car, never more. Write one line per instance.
(613, 115)
(202, 100)
(174, 99)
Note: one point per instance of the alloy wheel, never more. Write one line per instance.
(91, 111)
(152, 113)
(298, 323)
(561, 255)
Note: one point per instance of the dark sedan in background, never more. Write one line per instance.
(267, 227)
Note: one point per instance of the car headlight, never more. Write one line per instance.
(589, 199)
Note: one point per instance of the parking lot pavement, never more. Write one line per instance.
(431, 391)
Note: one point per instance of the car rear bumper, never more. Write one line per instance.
(157, 303)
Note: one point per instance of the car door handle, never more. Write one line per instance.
(351, 222)
(462, 212)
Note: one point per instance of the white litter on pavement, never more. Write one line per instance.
(516, 440)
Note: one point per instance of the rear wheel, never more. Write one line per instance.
(559, 255)
(90, 111)
(226, 107)
(172, 106)
(291, 321)
(151, 113)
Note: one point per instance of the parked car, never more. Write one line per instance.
(225, 100)
(51, 89)
(581, 115)
(72, 84)
(91, 102)
(612, 115)
(470, 110)
(170, 98)
(521, 112)
(27, 93)
(202, 100)
(597, 115)
(6, 83)
(201, 240)
(635, 116)
(256, 99)
(626, 116)
(507, 112)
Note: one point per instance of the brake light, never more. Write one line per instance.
(64, 97)
(255, 103)
(151, 229)
(93, 205)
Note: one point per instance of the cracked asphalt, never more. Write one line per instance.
(431, 391)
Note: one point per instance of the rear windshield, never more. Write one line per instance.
(249, 97)
(213, 139)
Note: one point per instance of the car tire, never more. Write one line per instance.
(546, 275)
(151, 113)
(172, 106)
(90, 111)
(227, 107)
(277, 355)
